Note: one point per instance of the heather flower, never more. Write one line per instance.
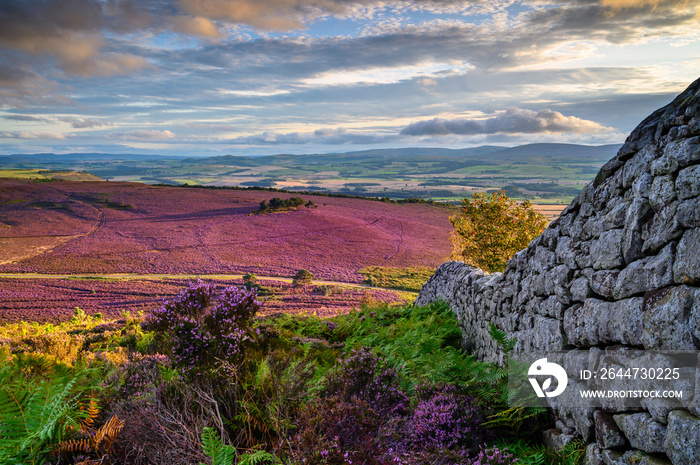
(206, 339)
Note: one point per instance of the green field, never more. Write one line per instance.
(542, 173)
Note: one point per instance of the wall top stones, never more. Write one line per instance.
(620, 267)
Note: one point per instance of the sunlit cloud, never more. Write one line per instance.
(511, 121)
(141, 135)
(31, 135)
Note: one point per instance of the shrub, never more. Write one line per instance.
(491, 228)
(303, 277)
(365, 376)
(206, 340)
(445, 418)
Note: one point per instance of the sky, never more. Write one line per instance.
(257, 77)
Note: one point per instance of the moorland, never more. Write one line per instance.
(110, 247)
(112, 350)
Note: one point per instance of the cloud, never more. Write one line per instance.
(197, 26)
(84, 123)
(25, 118)
(328, 136)
(71, 32)
(141, 135)
(31, 135)
(512, 121)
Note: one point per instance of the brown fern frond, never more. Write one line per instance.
(74, 445)
(104, 437)
(92, 411)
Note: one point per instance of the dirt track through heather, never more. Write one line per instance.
(128, 276)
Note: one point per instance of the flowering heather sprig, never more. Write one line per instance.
(494, 456)
(365, 376)
(445, 418)
(204, 337)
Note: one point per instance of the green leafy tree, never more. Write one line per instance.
(491, 228)
(303, 277)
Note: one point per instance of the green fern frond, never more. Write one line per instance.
(506, 345)
(259, 457)
(220, 453)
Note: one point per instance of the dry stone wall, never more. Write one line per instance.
(619, 269)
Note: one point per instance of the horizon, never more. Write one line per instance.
(244, 78)
(496, 148)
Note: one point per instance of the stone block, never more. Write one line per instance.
(580, 289)
(646, 274)
(607, 433)
(686, 268)
(682, 442)
(593, 455)
(662, 191)
(605, 252)
(667, 319)
(688, 182)
(663, 228)
(642, 431)
(600, 322)
(638, 214)
(688, 213)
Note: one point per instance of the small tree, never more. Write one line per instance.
(491, 228)
(303, 277)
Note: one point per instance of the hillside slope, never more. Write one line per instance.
(109, 227)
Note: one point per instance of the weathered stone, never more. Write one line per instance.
(556, 440)
(662, 191)
(580, 289)
(664, 227)
(603, 282)
(694, 320)
(683, 438)
(605, 252)
(688, 213)
(551, 307)
(667, 318)
(642, 186)
(646, 274)
(685, 152)
(642, 431)
(598, 321)
(583, 256)
(615, 218)
(686, 268)
(613, 457)
(607, 433)
(638, 166)
(638, 214)
(688, 182)
(593, 455)
(565, 252)
(559, 276)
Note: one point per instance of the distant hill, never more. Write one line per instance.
(541, 173)
(562, 153)
(524, 153)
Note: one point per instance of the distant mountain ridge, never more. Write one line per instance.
(526, 153)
